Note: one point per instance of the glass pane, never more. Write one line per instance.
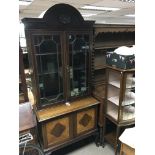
(38, 63)
(47, 63)
(56, 38)
(48, 46)
(129, 97)
(50, 88)
(86, 38)
(78, 65)
(49, 67)
(126, 99)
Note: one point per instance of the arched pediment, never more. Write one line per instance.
(63, 14)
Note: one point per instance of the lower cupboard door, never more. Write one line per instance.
(57, 131)
(86, 120)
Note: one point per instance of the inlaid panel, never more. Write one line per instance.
(85, 120)
(57, 130)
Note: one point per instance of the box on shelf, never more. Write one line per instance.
(122, 57)
(120, 61)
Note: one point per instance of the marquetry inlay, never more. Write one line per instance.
(58, 130)
(85, 120)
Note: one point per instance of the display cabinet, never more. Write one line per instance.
(120, 101)
(59, 46)
(120, 105)
(60, 54)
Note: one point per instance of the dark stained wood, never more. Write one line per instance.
(63, 14)
(23, 97)
(31, 30)
(100, 28)
(99, 91)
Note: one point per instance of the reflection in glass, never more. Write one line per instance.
(48, 46)
(49, 67)
(50, 88)
(47, 63)
(78, 61)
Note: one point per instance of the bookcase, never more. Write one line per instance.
(60, 54)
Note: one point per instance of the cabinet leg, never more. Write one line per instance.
(117, 135)
(101, 135)
(97, 140)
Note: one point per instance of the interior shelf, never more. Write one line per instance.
(99, 67)
(45, 54)
(128, 100)
(128, 112)
(130, 83)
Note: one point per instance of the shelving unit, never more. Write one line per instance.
(120, 101)
(107, 38)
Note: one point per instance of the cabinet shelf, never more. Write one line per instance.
(128, 112)
(79, 51)
(80, 68)
(130, 83)
(99, 67)
(47, 73)
(42, 54)
(128, 100)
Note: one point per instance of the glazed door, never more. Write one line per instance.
(78, 64)
(48, 58)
